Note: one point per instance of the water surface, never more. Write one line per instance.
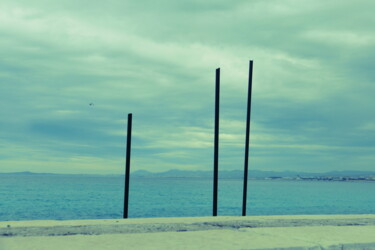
(63, 197)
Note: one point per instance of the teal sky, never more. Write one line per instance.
(313, 90)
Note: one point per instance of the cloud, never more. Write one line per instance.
(312, 90)
(345, 38)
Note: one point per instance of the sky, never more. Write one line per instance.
(313, 99)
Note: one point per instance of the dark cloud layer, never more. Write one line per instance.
(312, 98)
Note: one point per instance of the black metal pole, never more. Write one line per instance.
(216, 141)
(247, 141)
(127, 170)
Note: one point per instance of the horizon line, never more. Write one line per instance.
(158, 172)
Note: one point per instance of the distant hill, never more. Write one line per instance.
(224, 174)
(27, 173)
(237, 174)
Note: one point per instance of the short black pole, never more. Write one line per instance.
(247, 141)
(216, 141)
(127, 170)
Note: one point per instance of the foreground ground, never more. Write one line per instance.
(256, 232)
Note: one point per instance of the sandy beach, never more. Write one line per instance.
(255, 232)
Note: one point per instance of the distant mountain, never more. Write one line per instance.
(54, 174)
(237, 174)
(27, 173)
(224, 174)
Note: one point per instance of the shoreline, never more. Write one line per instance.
(289, 220)
(227, 232)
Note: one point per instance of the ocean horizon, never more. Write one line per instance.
(71, 197)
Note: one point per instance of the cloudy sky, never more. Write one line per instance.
(313, 89)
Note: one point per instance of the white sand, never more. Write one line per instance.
(304, 232)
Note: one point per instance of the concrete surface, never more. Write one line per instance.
(255, 232)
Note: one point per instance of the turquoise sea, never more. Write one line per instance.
(65, 197)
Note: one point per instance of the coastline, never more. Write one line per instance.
(252, 232)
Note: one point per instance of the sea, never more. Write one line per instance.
(72, 197)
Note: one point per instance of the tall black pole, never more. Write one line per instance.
(127, 170)
(247, 141)
(216, 143)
